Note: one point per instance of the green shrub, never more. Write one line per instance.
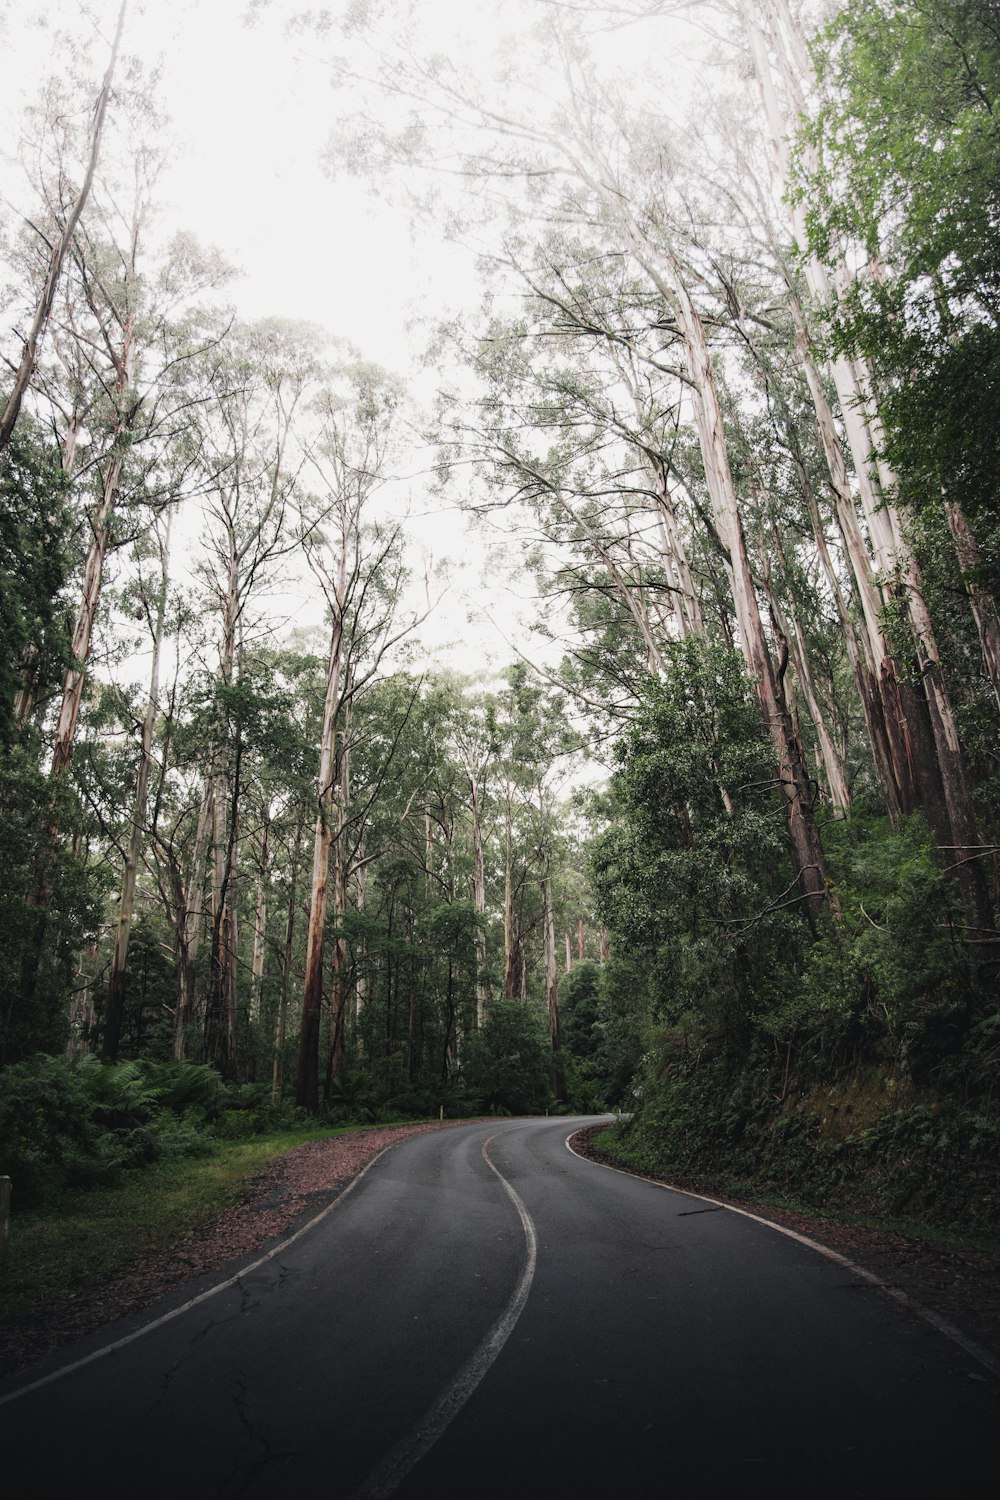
(80, 1124)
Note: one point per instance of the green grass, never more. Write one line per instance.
(81, 1237)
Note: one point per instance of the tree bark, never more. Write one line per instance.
(808, 858)
(479, 897)
(119, 957)
(192, 922)
(552, 982)
(278, 1070)
(509, 958)
(307, 1081)
(981, 602)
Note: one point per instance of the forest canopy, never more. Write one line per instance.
(715, 829)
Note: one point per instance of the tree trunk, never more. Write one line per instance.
(221, 1002)
(260, 921)
(981, 602)
(479, 899)
(278, 1071)
(191, 923)
(307, 1081)
(552, 982)
(808, 859)
(60, 249)
(119, 958)
(833, 770)
(72, 697)
(949, 813)
(338, 992)
(509, 975)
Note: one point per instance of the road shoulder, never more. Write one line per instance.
(960, 1285)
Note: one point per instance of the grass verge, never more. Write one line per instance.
(746, 1191)
(81, 1237)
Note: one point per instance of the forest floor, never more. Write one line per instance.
(961, 1285)
(958, 1283)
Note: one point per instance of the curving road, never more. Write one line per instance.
(486, 1315)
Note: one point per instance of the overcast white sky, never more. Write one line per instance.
(250, 109)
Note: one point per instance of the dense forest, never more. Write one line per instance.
(717, 845)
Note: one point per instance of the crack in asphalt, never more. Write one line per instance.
(245, 1470)
(250, 1298)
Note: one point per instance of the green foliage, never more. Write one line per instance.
(353, 1097)
(34, 630)
(734, 1015)
(81, 1124)
(506, 1065)
(892, 971)
(695, 891)
(909, 151)
(38, 947)
(35, 966)
(930, 1162)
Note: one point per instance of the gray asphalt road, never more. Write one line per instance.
(488, 1316)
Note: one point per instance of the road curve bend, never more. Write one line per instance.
(489, 1316)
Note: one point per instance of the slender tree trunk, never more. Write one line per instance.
(307, 1081)
(674, 550)
(192, 923)
(981, 602)
(126, 908)
(479, 899)
(509, 976)
(552, 982)
(221, 1003)
(340, 965)
(411, 1001)
(950, 814)
(81, 1008)
(260, 921)
(361, 981)
(57, 259)
(278, 1071)
(808, 859)
(859, 656)
(833, 771)
(258, 953)
(72, 697)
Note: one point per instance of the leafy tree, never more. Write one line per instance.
(34, 563)
(507, 1063)
(692, 872)
(910, 152)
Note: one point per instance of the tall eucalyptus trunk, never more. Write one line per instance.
(478, 897)
(552, 980)
(281, 1021)
(60, 249)
(307, 1081)
(126, 905)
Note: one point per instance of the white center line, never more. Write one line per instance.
(389, 1474)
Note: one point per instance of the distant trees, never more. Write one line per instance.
(733, 400)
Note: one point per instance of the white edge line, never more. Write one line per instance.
(389, 1474)
(982, 1356)
(221, 1286)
